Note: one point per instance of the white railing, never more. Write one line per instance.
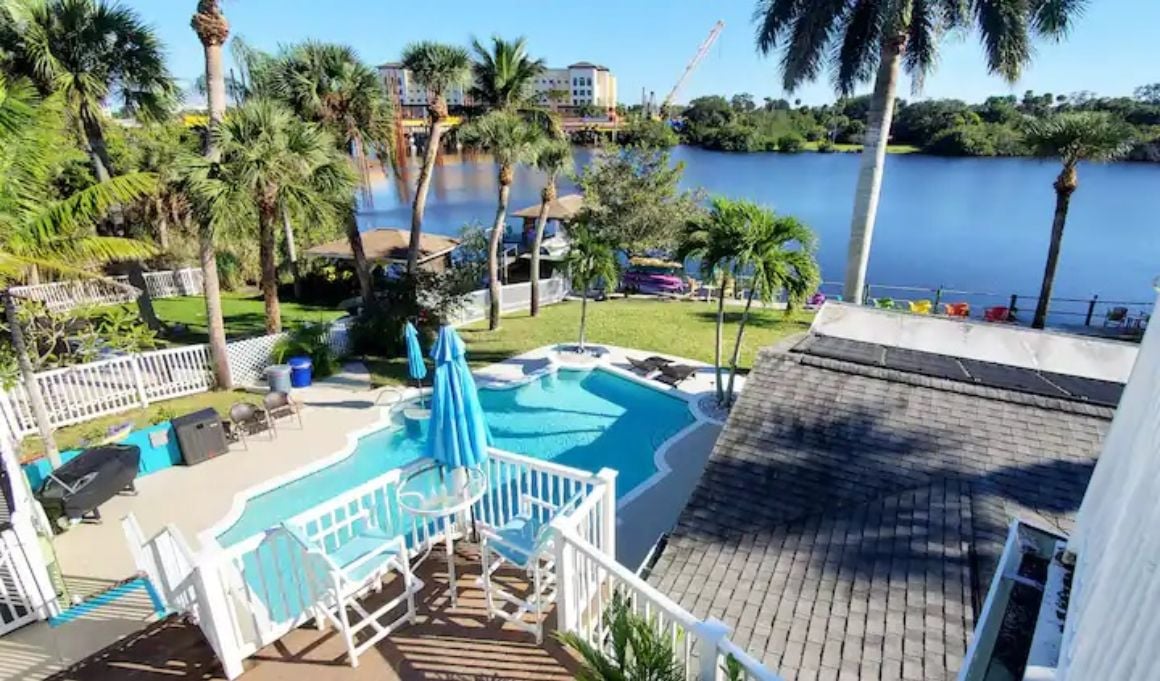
(183, 282)
(591, 581)
(166, 559)
(513, 297)
(62, 296)
(84, 392)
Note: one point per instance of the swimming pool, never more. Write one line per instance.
(585, 419)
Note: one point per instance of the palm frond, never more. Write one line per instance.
(437, 66)
(856, 56)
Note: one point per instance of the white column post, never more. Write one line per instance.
(709, 635)
(215, 617)
(608, 512)
(566, 606)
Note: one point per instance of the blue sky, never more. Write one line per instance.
(648, 42)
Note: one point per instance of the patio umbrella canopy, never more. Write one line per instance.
(415, 366)
(458, 435)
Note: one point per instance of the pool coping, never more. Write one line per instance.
(208, 538)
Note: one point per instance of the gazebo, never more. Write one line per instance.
(560, 212)
(388, 246)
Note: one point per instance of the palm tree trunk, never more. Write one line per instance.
(1064, 186)
(31, 386)
(291, 252)
(537, 242)
(583, 316)
(269, 279)
(366, 284)
(161, 224)
(872, 166)
(144, 302)
(495, 241)
(97, 149)
(420, 204)
(737, 348)
(720, 341)
(212, 30)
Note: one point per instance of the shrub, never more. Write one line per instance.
(790, 143)
(825, 146)
(428, 299)
(308, 340)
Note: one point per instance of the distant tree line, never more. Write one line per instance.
(945, 127)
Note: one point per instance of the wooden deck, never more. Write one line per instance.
(444, 644)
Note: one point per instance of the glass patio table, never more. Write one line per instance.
(449, 496)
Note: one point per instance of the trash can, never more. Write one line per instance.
(301, 371)
(278, 376)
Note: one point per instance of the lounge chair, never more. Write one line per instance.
(248, 419)
(920, 306)
(648, 365)
(999, 313)
(279, 405)
(957, 309)
(674, 374)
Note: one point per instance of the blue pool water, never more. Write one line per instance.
(584, 419)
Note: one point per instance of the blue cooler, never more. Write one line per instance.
(301, 371)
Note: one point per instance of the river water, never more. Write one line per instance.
(977, 224)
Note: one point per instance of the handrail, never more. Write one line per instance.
(753, 668)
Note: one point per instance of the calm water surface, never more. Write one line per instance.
(974, 224)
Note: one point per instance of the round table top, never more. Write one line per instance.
(456, 491)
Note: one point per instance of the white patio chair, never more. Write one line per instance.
(338, 578)
(526, 541)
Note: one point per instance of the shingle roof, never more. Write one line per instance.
(850, 516)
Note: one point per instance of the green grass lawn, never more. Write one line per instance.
(681, 328)
(890, 148)
(244, 314)
(90, 431)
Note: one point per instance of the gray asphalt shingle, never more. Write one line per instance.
(849, 518)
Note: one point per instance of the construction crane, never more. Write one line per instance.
(701, 52)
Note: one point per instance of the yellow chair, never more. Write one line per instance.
(920, 306)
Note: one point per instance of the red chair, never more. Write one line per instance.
(997, 314)
(957, 309)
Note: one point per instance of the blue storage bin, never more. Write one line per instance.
(301, 371)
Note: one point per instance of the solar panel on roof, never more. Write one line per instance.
(1106, 393)
(847, 350)
(1011, 378)
(925, 363)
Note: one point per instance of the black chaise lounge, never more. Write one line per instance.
(76, 490)
(649, 364)
(673, 374)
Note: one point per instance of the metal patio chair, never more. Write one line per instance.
(248, 419)
(280, 405)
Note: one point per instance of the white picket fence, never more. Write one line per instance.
(62, 296)
(84, 392)
(184, 282)
(513, 297)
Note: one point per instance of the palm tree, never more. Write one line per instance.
(92, 52)
(439, 68)
(505, 74)
(715, 240)
(554, 157)
(511, 141)
(779, 253)
(271, 162)
(591, 260)
(637, 648)
(1070, 137)
(212, 29)
(41, 231)
(878, 38)
(329, 84)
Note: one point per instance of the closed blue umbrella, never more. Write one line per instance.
(458, 434)
(415, 365)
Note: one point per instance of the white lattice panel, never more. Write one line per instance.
(249, 358)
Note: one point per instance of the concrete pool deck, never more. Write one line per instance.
(95, 556)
